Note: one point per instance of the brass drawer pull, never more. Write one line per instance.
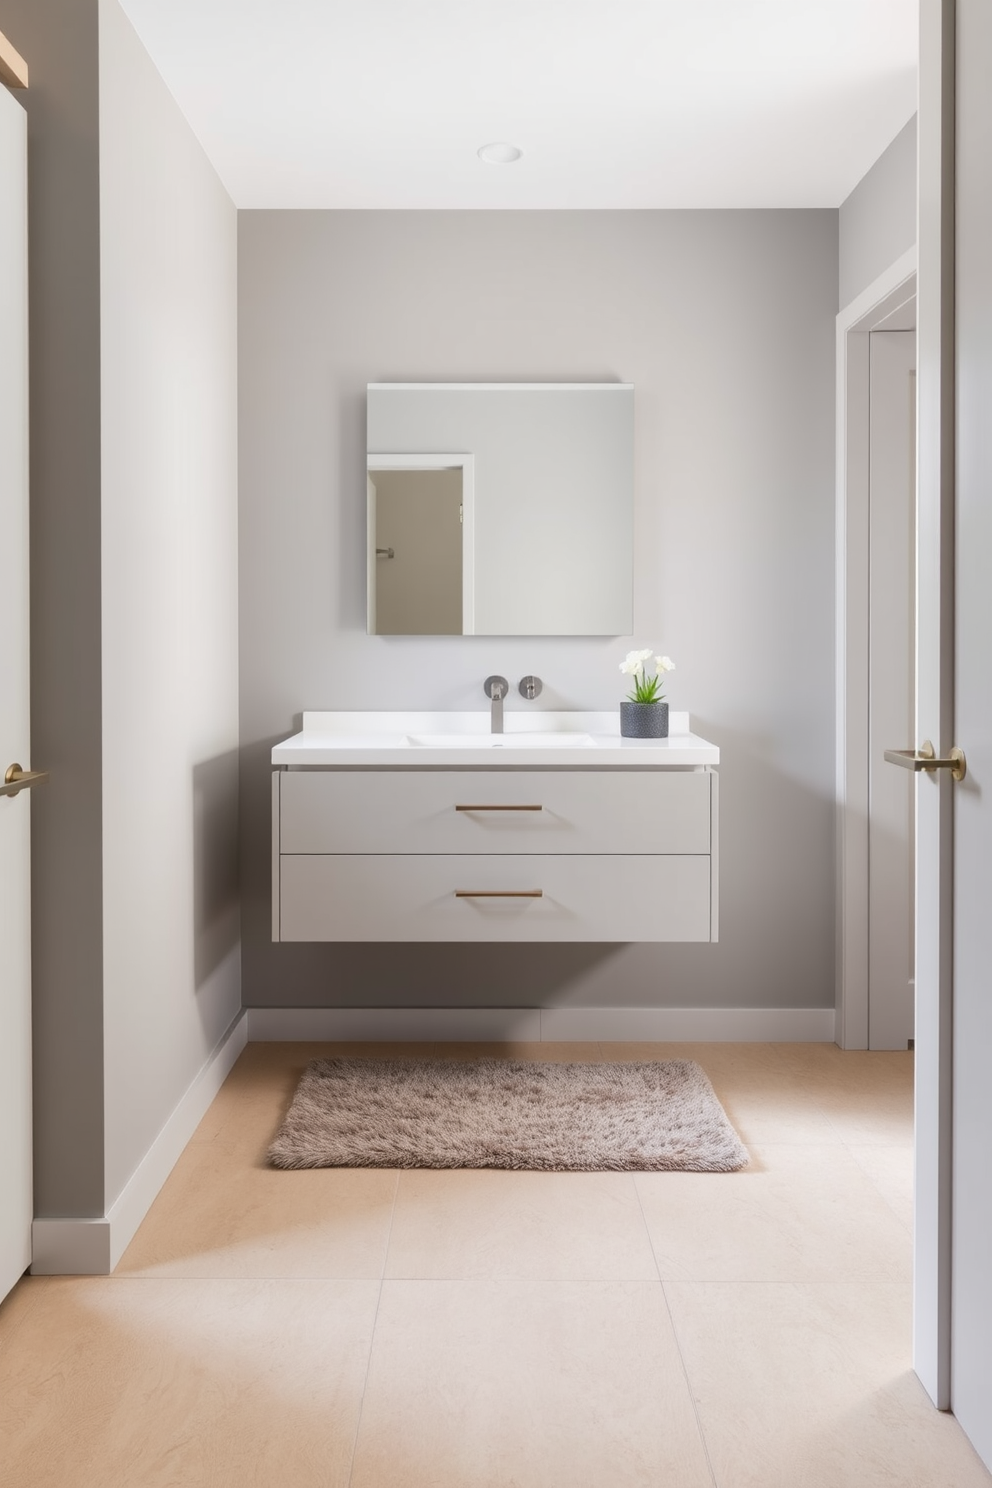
(499, 808)
(499, 893)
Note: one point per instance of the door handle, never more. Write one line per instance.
(925, 758)
(17, 780)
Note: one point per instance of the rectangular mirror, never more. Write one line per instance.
(500, 508)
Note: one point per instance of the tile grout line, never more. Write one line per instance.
(874, 1182)
(688, 1385)
(375, 1321)
(678, 1345)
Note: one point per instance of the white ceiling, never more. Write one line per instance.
(615, 103)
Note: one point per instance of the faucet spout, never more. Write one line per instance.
(496, 689)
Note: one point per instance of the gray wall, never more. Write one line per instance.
(58, 38)
(878, 219)
(724, 321)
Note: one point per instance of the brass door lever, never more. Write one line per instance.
(925, 758)
(17, 780)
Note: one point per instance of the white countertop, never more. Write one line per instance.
(412, 739)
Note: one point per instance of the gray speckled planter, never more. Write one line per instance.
(644, 720)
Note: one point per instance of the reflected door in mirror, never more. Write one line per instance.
(418, 550)
(420, 527)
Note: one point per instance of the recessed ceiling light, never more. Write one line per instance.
(500, 154)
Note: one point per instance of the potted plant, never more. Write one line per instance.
(644, 714)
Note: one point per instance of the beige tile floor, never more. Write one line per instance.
(502, 1330)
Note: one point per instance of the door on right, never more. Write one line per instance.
(971, 1044)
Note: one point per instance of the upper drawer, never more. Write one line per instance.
(471, 811)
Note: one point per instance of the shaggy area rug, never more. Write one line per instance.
(498, 1113)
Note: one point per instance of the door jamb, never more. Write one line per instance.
(893, 287)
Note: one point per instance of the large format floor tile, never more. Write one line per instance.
(715, 1058)
(847, 1068)
(810, 1386)
(870, 1117)
(890, 1168)
(549, 1052)
(526, 1385)
(523, 1338)
(215, 1217)
(796, 1214)
(164, 1384)
(556, 1226)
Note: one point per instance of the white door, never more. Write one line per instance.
(953, 1279)
(971, 1117)
(892, 679)
(15, 903)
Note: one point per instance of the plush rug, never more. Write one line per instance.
(497, 1113)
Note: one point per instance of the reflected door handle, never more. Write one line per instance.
(925, 759)
(17, 780)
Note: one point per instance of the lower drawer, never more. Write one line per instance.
(411, 897)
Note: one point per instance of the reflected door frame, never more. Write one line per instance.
(429, 460)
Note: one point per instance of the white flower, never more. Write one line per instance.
(664, 663)
(634, 664)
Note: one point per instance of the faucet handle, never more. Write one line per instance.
(496, 687)
(531, 687)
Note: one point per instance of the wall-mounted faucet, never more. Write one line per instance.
(496, 689)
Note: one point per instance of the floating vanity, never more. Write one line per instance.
(427, 826)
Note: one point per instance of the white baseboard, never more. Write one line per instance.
(413, 1025)
(92, 1247)
(70, 1247)
(535, 1025)
(691, 1025)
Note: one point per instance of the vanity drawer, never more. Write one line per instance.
(414, 898)
(424, 811)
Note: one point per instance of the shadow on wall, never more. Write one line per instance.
(776, 913)
(216, 896)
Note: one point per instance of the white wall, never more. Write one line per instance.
(724, 323)
(878, 219)
(169, 600)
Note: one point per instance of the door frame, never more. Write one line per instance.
(419, 460)
(893, 288)
(16, 1074)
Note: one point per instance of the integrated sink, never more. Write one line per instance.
(502, 741)
(544, 739)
